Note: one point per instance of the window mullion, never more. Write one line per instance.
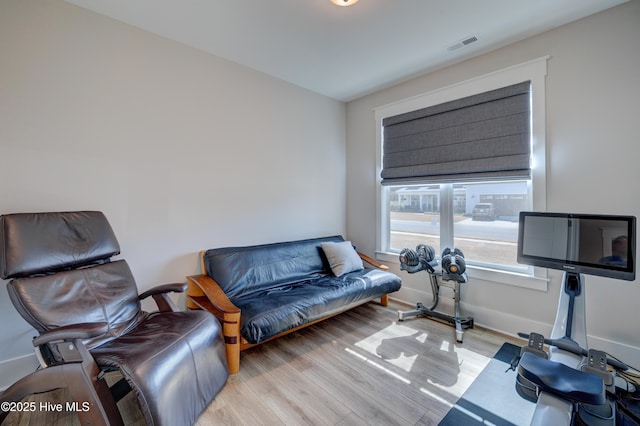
(446, 215)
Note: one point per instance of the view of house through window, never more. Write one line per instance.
(483, 219)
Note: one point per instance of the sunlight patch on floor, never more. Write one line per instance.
(398, 350)
(380, 345)
(443, 392)
(470, 365)
(436, 397)
(472, 415)
(472, 357)
(378, 366)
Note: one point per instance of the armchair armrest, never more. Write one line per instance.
(161, 297)
(71, 332)
(371, 261)
(53, 348)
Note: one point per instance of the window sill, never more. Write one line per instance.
(486, 274)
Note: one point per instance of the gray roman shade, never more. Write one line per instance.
(484, 136)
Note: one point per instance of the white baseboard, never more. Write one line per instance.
(11, 370)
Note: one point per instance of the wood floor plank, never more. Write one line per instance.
(301, 395)
(399, 388)
(352, 385)
(228, 409)
(362, 367)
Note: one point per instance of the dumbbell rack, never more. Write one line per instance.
(460, 323)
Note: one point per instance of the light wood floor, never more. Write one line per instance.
(363, 367)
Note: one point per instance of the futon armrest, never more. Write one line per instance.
(204, 293)
(371, 261)
(203, 290)
(71, 332)
(161, 297)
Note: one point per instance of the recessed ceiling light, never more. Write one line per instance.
(344, 2)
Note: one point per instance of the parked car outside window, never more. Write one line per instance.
(483, 211)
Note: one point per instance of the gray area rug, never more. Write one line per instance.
(492, 397)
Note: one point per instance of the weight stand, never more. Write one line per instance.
(421, 310)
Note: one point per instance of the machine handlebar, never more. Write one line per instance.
(571, 346)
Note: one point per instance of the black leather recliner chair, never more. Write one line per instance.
(88, 314)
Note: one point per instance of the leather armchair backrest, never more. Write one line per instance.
(37, 243)
(63, 273)
(241, 271)
(99, 293)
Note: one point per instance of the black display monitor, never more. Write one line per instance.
(602, 245)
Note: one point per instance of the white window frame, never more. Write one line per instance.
(534, 71)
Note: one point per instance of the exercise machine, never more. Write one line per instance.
(452, 274)
(569, 383)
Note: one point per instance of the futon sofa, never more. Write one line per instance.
(262, 292)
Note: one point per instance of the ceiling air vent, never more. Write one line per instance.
(462, 43)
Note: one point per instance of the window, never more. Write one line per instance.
(483, 222)
(467, 193)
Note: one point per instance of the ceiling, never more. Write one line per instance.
(345, 52)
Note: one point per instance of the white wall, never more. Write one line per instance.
(592, 166)
(182, 150)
